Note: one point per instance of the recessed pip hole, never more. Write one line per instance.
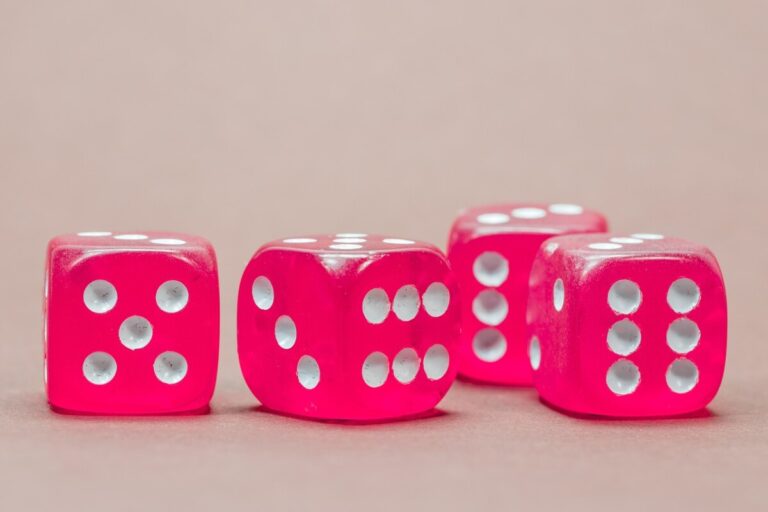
(490, 307)
(263, 293)
(489, 345)
(626, 240)
(604, 246)
(375, 370)
(406, 365)
(100, 296)
(299, 240)
(94, 234)
(436, 362)
(558, 295)
(493, 218)
(167, 241)
(566, 209)
(624, 337)
(534, 353)
(131, 237)
(623, 377)
(624, 297)
(135, 332)
(683, 335)
(172, 296)
(170, 367)
(648, 236)
(351, 235)
(398, 241)
(99, 368)
(406, 303)
(682, 376)
(436, 299)
(491, 268)
(285, 332)
(683, 296)
(345, 247)
(308, 372)
(376, 306)
(349, 240)
(529, 213)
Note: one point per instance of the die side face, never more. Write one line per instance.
(491, 250)
(131, 326)
(380, 346)
(642, 329)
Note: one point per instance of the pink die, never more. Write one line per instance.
(627, 325)
(348, 327)
(131, 323)
(491, 250)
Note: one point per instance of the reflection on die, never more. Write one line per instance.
(348, 326)
(491, 250)
(131, 323)
(627, 326)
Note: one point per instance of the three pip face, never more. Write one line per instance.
(353, 326)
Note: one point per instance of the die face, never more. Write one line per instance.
(491, 250)
(372, 334)
(642, 329)
(131, 326)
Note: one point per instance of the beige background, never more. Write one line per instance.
(245, 121)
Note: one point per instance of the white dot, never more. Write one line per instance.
(551, 247)
(436, 362)
(436, 299)
(529, 213)
(398, 241)
(285, 332)
(351, 235)
(345, 247)
(558, 295)
(406, 303)
(170, 367)
(626, 240)
(490, 307)
(683, 296)
(376, 306)
(406, 365)
(263, 293)
(375, 369)
(682, 376)
(167, 241)
(100, 296)
(493, 218)
(131, 237)
(308, 372)
(604, 246)
(534, 353)
(683, 335)
(648, 236)
(135, 332)
(566, 209)
(491, 268)
(299, 240)
(172, 296)
(94, 233)
(489, 345)
(99, 368)
(349, 240)
(623, 377)
(624, 297)
(624, 337)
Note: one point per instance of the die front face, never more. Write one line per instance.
(491, 250)
(627, 326)
(348, 327)
(131, 323)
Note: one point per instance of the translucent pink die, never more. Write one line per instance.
(348, 327)
(627, 325)
(131, 323)
(491, 250)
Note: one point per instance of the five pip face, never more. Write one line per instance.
(360, 327)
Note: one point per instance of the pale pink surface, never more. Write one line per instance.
(136, 269)
(321, 289)
(495, 228)
(575, 353)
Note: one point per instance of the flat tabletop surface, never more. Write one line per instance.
(246, 122)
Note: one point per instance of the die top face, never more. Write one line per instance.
(367, 337)
(628, 325)
(533, 218)
(131, 325)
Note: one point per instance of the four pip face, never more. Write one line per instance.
(362, 327)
